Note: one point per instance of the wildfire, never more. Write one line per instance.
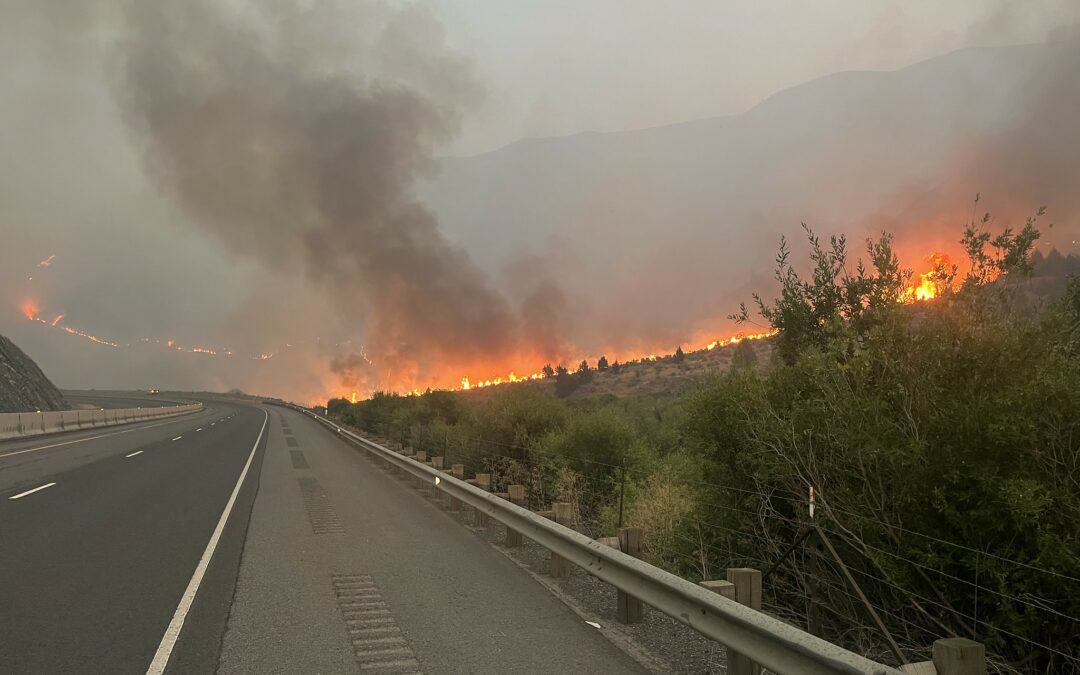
(88, 336)
(47, 262)
(29, 310)
(467, 383)
(934, 282)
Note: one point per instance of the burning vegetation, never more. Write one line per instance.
(937, 433)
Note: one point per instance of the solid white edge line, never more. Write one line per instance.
(178, 438)
(137, 452)
(199, 429)
(172, 633)
(30, 492)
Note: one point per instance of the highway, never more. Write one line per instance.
(112, 399)
(247, 538)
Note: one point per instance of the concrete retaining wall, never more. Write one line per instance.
(15, 425)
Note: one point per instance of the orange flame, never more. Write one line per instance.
(932, 283)
(29, 310)
(466, 383)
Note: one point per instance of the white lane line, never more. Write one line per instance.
(178, 438)
(91, 438)
(213, 423)
(172, 633)
(30, 492)
(199, 429)
(137, 452)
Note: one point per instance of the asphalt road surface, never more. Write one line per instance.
(114, 399)
(249, 539)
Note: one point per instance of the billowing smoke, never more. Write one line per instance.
(292, 150)
(298, 144)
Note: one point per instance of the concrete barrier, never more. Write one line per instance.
(18, 425)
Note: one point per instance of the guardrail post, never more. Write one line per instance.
(517, 496)
(483, 481)
(457, 471)
(747, 582)
(959, 656)
(559, 567)
(724, 588)
(418, 482)
(628, 608)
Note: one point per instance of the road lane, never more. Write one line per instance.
(92, 569)
(24, 461)
(345, 567)
(113, 399)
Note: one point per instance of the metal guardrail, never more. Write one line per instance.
(774, 644)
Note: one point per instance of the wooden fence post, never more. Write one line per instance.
(517, 496)
(724, 588)
(457, 471)
(747, 582)
(628, 608)
(483, 481)
(959, 656)
(559, 567)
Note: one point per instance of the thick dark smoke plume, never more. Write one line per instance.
(299, 145)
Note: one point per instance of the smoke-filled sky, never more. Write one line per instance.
(262, 180)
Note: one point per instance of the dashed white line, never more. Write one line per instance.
(137, 452)
(213, 423)
(178, 438)
(199, 429)
(30, 492)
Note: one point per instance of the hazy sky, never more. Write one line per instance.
(556, 67)
(236, 175)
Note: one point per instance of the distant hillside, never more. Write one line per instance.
(657, 234)
(23, 387)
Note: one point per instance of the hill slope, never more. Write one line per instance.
(656, 234)
(23, 387)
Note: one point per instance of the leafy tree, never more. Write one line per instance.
(583, 367)
(834, 308)
(548, 370)
(947, 418)
(602, 363)
(678, 356)
(566, 382)
(616, 367)
(337, 406)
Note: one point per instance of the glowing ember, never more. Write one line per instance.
(57, 319)
(47, 262)
(29, 310)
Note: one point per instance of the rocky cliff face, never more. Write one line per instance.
(23, 387)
